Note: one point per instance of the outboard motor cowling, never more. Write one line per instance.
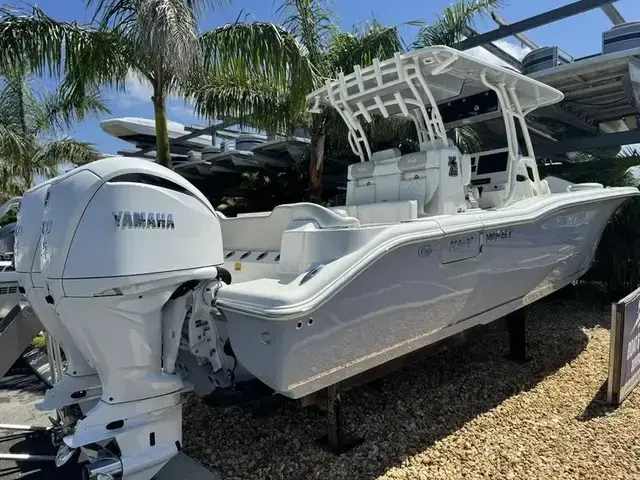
(123, 238)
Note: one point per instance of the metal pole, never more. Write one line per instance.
(530, 23)
(613, 14)
(24, 428)
(25, 457)
(57, 351)
(51, 357)
(501, 22)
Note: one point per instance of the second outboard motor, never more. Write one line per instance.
(80, 383)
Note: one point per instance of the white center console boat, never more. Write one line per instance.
(138, 264)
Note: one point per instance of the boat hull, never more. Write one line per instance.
(418, 293)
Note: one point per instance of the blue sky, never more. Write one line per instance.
(579, 36)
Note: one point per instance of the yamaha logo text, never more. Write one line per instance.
(144, 220)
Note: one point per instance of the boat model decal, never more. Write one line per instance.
(462, 248)
(502, 234)
(461, 243)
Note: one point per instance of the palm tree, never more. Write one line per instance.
(280, 107)
(32, 127)
(332, 51)
(157, 40)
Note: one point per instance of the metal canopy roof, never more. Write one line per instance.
(595, 87)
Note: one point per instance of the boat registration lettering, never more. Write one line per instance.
(461, 243)
(498, 235)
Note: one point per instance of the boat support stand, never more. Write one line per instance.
(337, 440)
(516, 327)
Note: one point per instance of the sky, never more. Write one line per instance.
(579, 36)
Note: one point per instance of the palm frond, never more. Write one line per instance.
(19, 105)
(167, 31)
(32, 38)
(312, 23)
(162, 34)
(257, 48)
(13, 142)
(68, 104)
(11, 181)
(248, 101)
(250, 60)
(450, 28)
(607, 171)
(51, 155)
(347, 50)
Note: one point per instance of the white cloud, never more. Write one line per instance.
(137, 90)
(515, 50)
(512, 49)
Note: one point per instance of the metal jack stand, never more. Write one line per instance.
(337, 440)
(516, 323)
(55, 363)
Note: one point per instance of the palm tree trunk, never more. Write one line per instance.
(316, 166)
(162, 133)
(27, 174)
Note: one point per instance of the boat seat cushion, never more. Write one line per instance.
(263, 231)
(384, 212)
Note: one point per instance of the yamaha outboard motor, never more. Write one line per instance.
(124, 241)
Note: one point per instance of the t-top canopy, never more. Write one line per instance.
(415, 85)
(449, 74)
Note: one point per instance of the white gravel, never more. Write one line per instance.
(465, 413)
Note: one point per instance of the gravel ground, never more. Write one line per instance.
(465, 413)
(20, 390)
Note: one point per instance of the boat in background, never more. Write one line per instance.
(18, 323)
(142, 132)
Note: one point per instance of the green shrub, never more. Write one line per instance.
(39, 341)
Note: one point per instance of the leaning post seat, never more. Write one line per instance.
(436, 179)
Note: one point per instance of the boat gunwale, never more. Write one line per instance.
(294, 310)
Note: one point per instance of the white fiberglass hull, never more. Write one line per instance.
(422, 281)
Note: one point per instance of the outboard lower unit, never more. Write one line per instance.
(125, 240)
